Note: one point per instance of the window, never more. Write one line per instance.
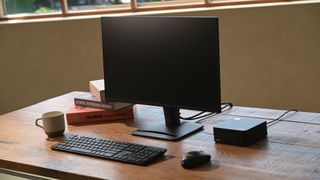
(25, 9)
(31, 6)
(83, 5)
(142, 3)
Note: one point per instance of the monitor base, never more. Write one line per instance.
(161, 131)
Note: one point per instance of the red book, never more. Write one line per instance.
(78, 114)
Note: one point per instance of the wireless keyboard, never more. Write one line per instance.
(110, 149)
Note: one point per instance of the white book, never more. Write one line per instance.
(97, 89)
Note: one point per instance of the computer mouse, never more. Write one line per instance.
(194, 159)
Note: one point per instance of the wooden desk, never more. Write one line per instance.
(291, 151)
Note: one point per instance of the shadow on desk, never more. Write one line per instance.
(212, 165)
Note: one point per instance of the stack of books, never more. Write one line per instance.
(93, 107)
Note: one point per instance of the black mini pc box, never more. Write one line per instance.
(240, 131)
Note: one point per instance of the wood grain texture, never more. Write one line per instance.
(291, 150)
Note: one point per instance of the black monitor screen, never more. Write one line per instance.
(165, 61)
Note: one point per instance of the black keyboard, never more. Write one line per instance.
(110, 149)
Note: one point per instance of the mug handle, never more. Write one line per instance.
(37, 122)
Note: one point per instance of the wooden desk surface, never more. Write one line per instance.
(291, 150)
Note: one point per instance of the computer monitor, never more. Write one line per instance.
(171, 62)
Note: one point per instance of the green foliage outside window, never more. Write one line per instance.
(43, 10)
(25, 6)
(19, 6)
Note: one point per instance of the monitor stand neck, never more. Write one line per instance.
(172, 117)
(171, 130)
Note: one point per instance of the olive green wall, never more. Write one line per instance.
(270, 57)
(45, 59)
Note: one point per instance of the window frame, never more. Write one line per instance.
(131, 9)
(2, 5)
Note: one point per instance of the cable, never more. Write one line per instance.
(226, 105)
(197, 116)
(279, 118)
(193, 116)
(230, 105)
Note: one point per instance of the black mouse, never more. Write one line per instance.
(194, 159)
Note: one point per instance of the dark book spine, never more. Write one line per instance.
(93, 104)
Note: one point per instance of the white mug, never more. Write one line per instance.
(53, 123)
